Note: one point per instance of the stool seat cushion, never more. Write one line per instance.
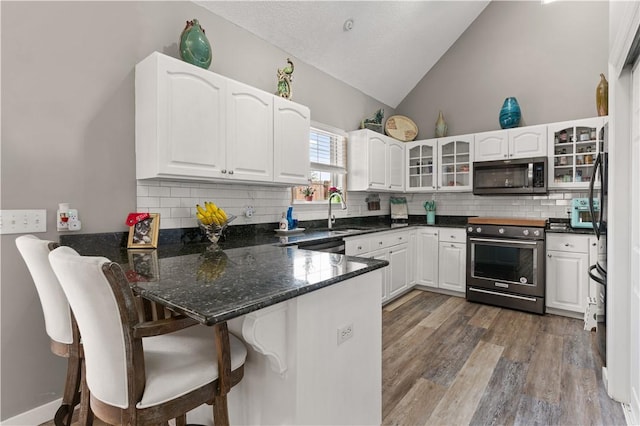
(180, 362)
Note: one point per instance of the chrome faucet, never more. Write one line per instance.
(332, 218)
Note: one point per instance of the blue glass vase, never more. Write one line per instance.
(510, 114)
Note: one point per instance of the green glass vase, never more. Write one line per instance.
(194, 46)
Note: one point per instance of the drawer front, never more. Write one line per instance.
(453, 235)
(388, 239)
(566, 242)
(357, 246)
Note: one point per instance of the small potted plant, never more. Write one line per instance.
(308, 192)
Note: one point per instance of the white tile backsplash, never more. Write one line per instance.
(175, 201)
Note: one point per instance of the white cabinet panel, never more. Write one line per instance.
(399, 269)
(172, 140)
(427, 257)
(489, 146)
(249, 133)
(376, 162)
(567, 280)
(530, 141)
(291, 142)
(452, 266)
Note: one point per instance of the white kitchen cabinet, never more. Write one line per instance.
(521, 142)
(442, 258)
(439, 164)
(375, 162)
(398, 269)
(427, 257)
(573, 148)
(173, 138)
(568, 259)
(452, 259)
(249, 138)
(421, 166)
(392, 246)
(197, 125)
(291, 123)
(455, 159)
(489, 146)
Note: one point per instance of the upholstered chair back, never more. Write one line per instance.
(57, 315)
(100, 317)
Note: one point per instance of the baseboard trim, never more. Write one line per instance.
(35, 416)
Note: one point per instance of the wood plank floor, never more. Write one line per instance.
(450, 362)
(446, 361)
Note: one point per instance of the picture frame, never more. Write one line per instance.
(144, 234)
(143, 265)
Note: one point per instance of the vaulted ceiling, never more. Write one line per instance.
(382, 48)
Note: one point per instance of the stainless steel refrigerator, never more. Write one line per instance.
(598, 272)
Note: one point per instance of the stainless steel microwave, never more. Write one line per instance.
(507, 177)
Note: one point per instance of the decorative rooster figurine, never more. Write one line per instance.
(284, 80)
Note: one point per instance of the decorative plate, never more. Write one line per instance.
(401, 128)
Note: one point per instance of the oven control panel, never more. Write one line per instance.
(506, 231)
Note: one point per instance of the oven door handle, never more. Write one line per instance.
(491, 240)
(513, 296)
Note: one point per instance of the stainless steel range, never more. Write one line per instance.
(506, 264)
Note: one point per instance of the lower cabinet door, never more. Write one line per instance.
(567, 280)
(427, 258)
(452, 266)
(382, 255)
(399, 269)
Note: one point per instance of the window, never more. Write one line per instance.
(328, 161)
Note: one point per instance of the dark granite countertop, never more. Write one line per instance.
(253, 269)
(216, 285)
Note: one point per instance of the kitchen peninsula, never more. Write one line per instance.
(311, 322)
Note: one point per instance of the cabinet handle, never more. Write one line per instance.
(505, 156)
(359, 247)
(549, 255)
(224, 171)
(594, 244)
(380, 242)
(453, 237)
(567, 244)
(230, 172)
(453, 245)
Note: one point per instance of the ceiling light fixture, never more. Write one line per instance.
(348, 25)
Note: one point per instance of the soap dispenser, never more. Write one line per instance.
(284, 223)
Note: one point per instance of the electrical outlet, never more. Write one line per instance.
(23, 221)
(248, 212)
(68, 221)
(345, 333)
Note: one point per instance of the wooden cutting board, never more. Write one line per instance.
(514, 221)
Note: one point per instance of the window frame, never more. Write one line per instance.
(335, 131)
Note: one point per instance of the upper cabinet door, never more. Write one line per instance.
(378, 162)
(249, 133)
(455, 160)
(491, 146)
(291, 142)
(421, 165)
(180, 120)
(573, 148)
(396, 166)
(528, 141)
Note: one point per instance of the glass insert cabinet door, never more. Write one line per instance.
(574, 147)
(455, 163)
(421, 164)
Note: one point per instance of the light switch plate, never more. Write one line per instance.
(23, 221)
